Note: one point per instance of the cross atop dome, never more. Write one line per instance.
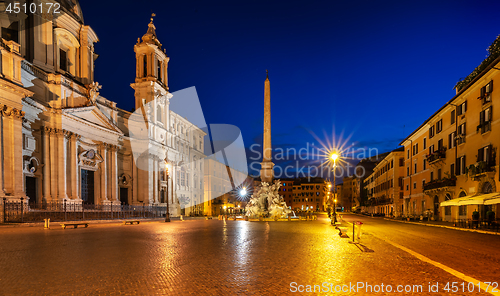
(150, 36)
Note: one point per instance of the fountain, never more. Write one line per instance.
(266, 202)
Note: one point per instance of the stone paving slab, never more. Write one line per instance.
(201, 257)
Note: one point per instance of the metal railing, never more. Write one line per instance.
(20, 211)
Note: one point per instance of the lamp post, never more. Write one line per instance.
(167, 174)
(334, 156)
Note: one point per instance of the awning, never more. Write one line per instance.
(480, 199)
(492, 201)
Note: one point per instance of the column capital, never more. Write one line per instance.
(11, 112)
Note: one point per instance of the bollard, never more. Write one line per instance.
(353, 225)
(47, 223)
(246, 218)
(359, 223)
(289, 218)
(181, 218)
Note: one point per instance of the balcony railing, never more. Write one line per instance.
(436, 155)
(447, 182)
(474, 170)
(380, 201)
(484, 127)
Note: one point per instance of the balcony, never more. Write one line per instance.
(460, 139)
(484, 127)
(440, 184)
(436, 155)
(481, 169)
(380, 201)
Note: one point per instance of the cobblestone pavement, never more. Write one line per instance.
(212, 257)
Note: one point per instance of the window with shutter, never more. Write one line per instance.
(63, 60)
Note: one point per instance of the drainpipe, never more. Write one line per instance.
(456, 134)
(411, 164)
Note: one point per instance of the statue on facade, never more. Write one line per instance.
(93, 92)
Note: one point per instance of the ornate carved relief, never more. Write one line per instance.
(8, 111)
(89, 160)
(31, 165)
(125, 179)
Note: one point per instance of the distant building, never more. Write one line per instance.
(286, 191)
(310, 194)
(338, 193)
(385, 185)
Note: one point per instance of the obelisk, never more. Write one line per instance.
(266, 170)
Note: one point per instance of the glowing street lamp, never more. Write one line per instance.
(334, 156)
(243, 191)
(167, 173)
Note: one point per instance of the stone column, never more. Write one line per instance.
(12, 152)
(134, 180)
(2, 167)
(62, 156)
(150, 180)
(46, 164)
(74, 167)
(8, 147)
(18, 153)
(114, 173)
(52, 163)
(155, 180)
(104, 172)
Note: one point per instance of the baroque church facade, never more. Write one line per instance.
(62, 141)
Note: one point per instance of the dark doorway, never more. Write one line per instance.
(31, 190)
(87, 186)
(436, 207)
(124, 195)
(162, 196)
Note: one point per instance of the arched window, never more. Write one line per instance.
(487, 188)
(67, 47)
(462, 194)
(448, 196)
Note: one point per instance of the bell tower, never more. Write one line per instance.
(151, 79)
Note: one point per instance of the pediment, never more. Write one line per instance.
(93, 115)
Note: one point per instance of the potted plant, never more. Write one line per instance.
(490, 215)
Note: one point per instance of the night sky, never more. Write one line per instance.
(368, 72)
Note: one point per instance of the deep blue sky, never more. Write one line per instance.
(372, 70)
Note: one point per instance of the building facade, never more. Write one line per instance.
(451, 159)
(286, 191)
(385, 185)
(310, 194)
(62, 141)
